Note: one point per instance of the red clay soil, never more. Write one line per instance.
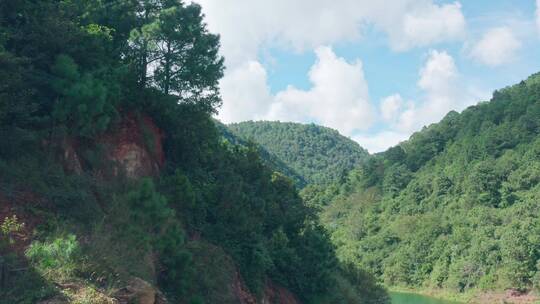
(136, 144)
(241, 291)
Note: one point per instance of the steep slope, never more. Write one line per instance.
(457, 206)
(268, 158)
(319, 154)
(116, 186)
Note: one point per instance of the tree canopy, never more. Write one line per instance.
(456, 206)
(319, 155)
(72, 72)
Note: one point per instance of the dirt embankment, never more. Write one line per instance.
(134, 146)
(275, 294)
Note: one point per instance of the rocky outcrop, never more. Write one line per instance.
(135, 145)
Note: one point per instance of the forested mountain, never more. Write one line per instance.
(269, 159)
(457, 206)
(318, 154)
(115, 183)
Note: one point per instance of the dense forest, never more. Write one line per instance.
(318, 154)
(117, 184)
(113, 171)
(269, 159)
(454, 207)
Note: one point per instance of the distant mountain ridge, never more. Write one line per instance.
(319, 155)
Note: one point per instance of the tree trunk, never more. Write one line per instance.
(144, 65)
(168, 59)
(143, 69)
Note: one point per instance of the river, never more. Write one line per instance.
(411, 298)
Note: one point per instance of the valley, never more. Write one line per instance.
(127, 175)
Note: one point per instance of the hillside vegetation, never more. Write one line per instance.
(269, 159)
(318, 154)
(112, 171)
(457, 206)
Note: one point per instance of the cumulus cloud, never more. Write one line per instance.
(381, 141)
(245, 25)
(497, 46)
(422, 25)
(246, 93)
(442, 91)
(339, 95)
(338, 98)
(390, 107)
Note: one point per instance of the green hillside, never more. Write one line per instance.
(457, 206)
(117, 187)
(318, 154)
(269, 159)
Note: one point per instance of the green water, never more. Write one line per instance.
(411, 298)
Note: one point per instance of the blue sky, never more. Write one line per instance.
(376, 72)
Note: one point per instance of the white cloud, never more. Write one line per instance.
(425, 24)
(438, 73)
(442, 89)
(442, 93)
(390, 107)
(498, 46)
(246, 25)
(380, 141)
(339, 96)
(246, 93)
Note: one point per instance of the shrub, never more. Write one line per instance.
(9, 227)
(59, 256)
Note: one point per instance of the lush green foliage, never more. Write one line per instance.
(9, 227)
(59, 256)
(270, 159)
(456, 206)
(319, 155)
(71, 71)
